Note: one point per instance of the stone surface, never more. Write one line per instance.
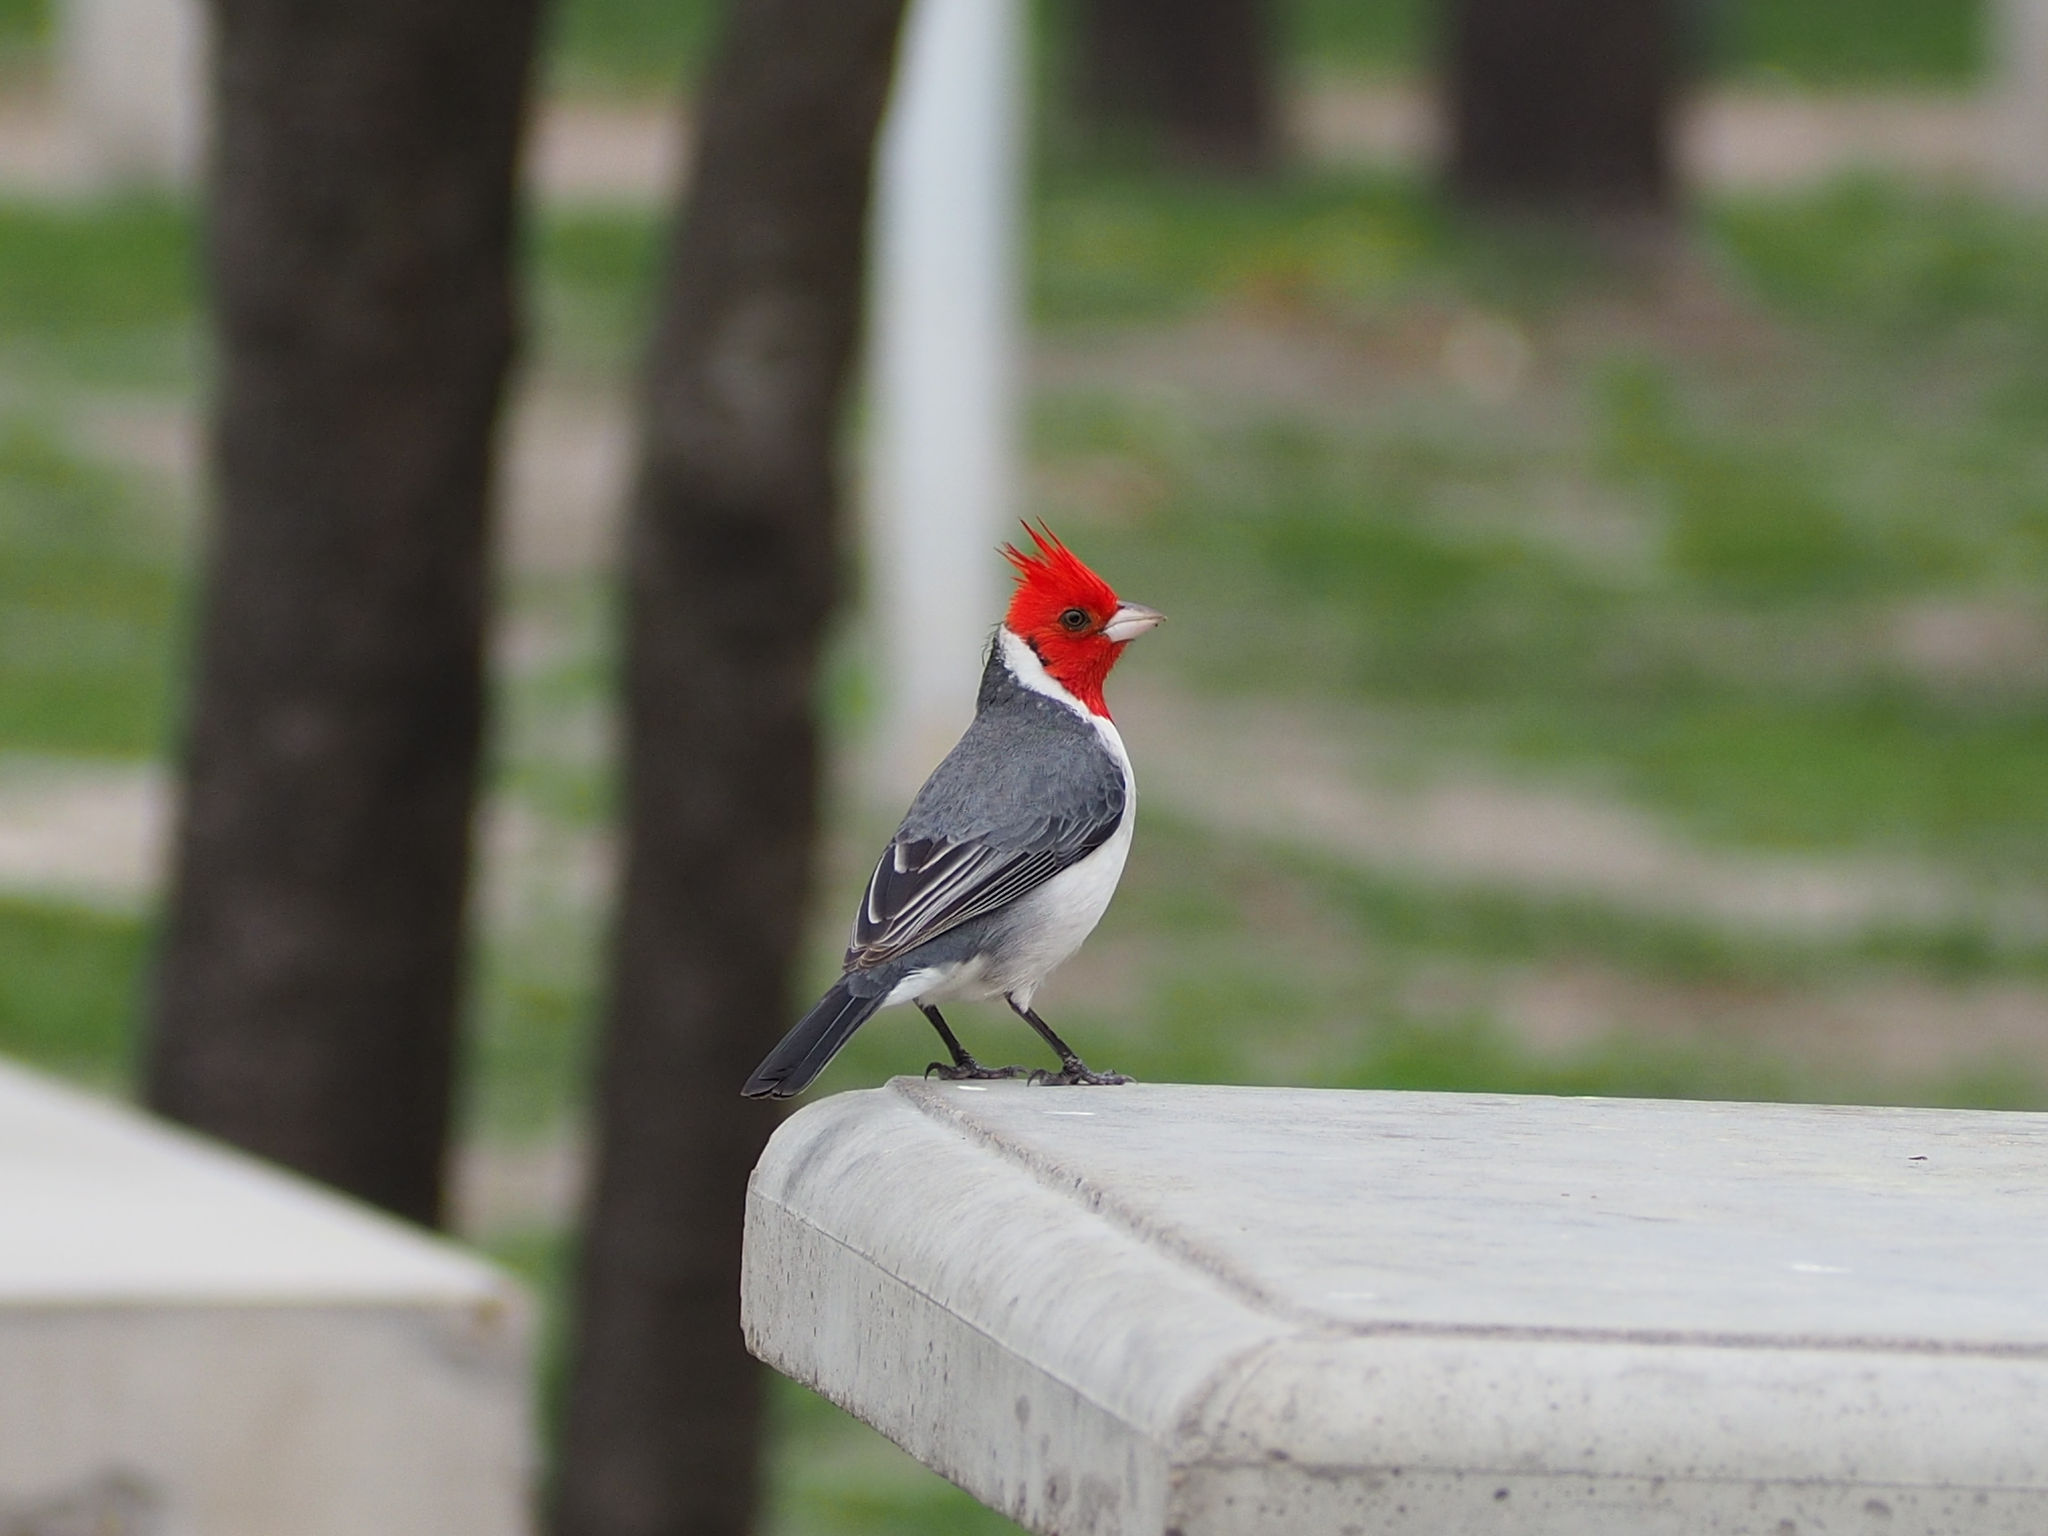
(1223, 1311)
(194, 1344)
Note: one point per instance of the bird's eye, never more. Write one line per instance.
(1073, 621)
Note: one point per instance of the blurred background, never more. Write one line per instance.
(1609, 653)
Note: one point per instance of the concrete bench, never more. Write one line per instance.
(194, 1344)
(1225, 1311)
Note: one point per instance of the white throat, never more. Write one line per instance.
(1025, 666)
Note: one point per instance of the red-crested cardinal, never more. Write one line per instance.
(1011, 851)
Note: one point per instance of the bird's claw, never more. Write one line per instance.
(1077, 1074)
(971, 1071)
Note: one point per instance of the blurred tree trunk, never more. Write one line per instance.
(1193, 77)
(1563, 103)
(732, 551)
(360, 221)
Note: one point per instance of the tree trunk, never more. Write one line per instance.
(1192, 77)
(1563, 103)
(732, 551)
(360, 219)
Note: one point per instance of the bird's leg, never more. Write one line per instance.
(965, 1067)
(1072, 1070)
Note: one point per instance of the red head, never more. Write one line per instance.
(1069, 616)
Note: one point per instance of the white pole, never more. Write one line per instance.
(2020, 68)
(942, 350)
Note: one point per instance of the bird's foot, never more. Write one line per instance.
(1075, 1073)
(972, 1071)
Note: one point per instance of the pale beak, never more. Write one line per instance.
(1130, 621)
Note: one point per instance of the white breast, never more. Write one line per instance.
(1052, 921)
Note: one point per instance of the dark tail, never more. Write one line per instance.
(805, 1050)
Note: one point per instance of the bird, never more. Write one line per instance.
(1009, 854)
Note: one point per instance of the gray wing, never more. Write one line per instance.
(1028, 791)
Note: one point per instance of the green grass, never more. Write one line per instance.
(634, 46)
(534, 1009)
(70, 981)
(92, 574)
(830, 1475)
(103, 295)
(593, 285)
(1110, 248)
(90, 595)
(1389, 37)
(648, 45)
(1780, 42)
(1846, 43)
(1901, 267)
(1862, 256)
(1771, 509)
(552, 738)
(24, 34)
